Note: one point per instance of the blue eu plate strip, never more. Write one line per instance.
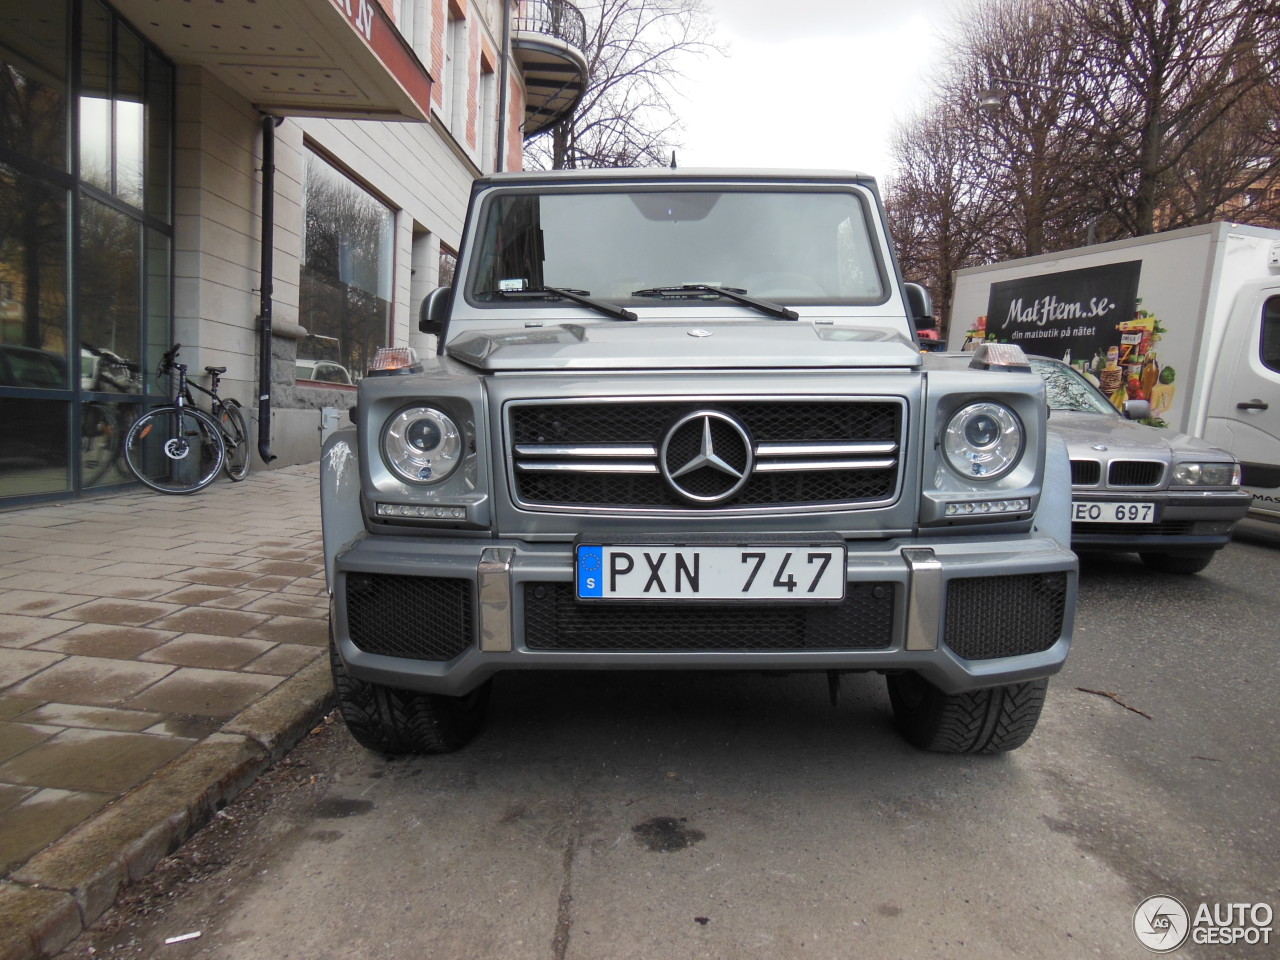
(590, 571)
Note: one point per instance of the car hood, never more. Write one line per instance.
(631, 345)
(1123, 438)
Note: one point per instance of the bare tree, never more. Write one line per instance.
(1182, 81)
(939, 207)
(626, 119)
(1114, 118)
(1035, 146)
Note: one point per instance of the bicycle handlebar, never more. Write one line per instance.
(166, 362)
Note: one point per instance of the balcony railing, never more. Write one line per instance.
(549, 44)
(556, 18)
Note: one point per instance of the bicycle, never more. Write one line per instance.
(104, 423)
(179, 448)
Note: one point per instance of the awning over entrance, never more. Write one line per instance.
(327, 58)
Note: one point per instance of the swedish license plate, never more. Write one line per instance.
(1094, 511)
(660, 572)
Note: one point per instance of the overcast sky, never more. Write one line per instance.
(809, 83)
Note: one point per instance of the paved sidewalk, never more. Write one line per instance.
(156, 653)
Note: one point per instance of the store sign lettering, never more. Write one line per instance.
(1050, 308)
(360, 13)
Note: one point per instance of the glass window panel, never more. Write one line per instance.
(159, 137)
(33, 81)
(103, 425)
(346, 271)
(110, 277)
(1270, 347)
(129, 117)
(159, 295)
(33, 266)
(95, 96)
(33, 439)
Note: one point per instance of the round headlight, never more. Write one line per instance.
(422, 444)
(983, 441)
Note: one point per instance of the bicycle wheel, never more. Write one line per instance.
(235, 434)
(175, 451)
(100, 435)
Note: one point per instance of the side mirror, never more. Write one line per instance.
(920, 305)
(1137, 409)
(434, 313)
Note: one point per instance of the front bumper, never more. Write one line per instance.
(1190, 520)
(445, 615)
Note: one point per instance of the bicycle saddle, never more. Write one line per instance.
(218, 370)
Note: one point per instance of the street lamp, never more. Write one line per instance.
(991, 99)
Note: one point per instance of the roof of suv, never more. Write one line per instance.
(686, 173)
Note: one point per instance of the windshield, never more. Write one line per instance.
(1069, 389)
(628, 247)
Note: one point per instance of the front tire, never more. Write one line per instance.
(392, 721)
(175, 450)
(990, 720)
(1184, 563)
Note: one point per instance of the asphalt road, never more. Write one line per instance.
(691, 816)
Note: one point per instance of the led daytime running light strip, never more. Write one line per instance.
(973, 507)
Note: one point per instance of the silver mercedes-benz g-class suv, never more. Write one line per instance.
(681, 420)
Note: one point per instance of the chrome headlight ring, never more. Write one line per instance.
(983, 441)
(422, 445)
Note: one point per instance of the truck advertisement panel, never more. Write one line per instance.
(1090, 318)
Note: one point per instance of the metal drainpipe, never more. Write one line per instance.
(266, 269)
(500, 157)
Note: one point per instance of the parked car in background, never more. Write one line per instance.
(322, 371)
(1169, 497)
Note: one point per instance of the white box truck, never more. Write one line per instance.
(1188, 320)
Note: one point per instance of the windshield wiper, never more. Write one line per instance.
(732, 293)
(611, 310)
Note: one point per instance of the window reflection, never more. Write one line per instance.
(110, 277)
(129, 118)
(33, 432)
(33, 268)
(346, 270)
(1067, 389)
(33, 81)
(95, 97)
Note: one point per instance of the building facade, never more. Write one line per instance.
(274, 184)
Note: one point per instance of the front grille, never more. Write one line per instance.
(1085, 472)
(1134, 473)
(607, 454)
(990, 617)
(555, 620)
(418, 618)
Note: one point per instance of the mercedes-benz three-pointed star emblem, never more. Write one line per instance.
(706, 456)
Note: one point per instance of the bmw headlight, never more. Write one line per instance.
(422, 445)
(1206, 475)
(983, 441)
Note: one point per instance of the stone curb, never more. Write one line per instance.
(62, 890)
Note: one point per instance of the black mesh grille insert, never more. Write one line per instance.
(646, 422)
(554, 620)
(418, 618)
(1170, 528)
(1086, 471)
(989, 617)
(1134, 473)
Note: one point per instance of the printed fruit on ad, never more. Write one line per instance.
(1167, 375)
(1162, 398)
